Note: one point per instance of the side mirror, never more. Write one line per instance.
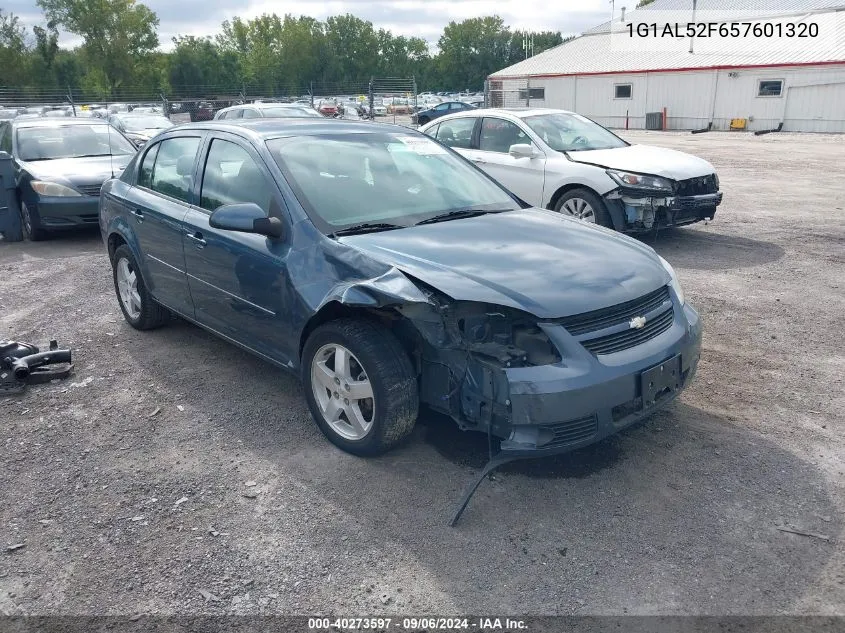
(139, 143)
(522, 150)
(246, 217)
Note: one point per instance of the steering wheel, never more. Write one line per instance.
(579, 140)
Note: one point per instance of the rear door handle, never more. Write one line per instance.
(139, 215)
(478, 160)
(197, 239)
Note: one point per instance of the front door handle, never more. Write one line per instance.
(477, 160)
(197, 238)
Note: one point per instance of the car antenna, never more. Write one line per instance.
(111, 154)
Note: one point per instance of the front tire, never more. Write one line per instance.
(360, 386)
(423, 120)
(584, 205)
(139, 308)
(31, 224)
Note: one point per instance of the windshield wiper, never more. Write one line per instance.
(366, 227)
(458, 214)
(90, 155)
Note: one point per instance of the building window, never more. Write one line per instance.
(770, 88)
(532, 93)
(622, 91)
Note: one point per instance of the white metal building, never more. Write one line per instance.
(616, 79)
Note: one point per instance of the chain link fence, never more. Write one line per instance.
(511, 93)
(375, 98)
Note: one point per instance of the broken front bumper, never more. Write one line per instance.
(585, 398)
(643, 211)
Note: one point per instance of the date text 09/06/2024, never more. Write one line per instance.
(414, 624)
(682, 30)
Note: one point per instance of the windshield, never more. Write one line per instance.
(138, 123)
(71, 141)
(381, 177)
(288, 112)
(572, 132)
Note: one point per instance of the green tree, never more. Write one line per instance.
(117, 35)
(13, 50)
(471, 50)
(198, 61)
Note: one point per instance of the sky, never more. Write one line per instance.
(420, 18)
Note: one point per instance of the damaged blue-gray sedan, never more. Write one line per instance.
(390, 273)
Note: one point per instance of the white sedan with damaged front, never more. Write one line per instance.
(563, 161)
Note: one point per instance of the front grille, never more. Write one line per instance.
(697, 186)
(614, 315)
(572, 432)
(631, 337)
(90, 190)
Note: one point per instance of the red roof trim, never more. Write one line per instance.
(665, 70)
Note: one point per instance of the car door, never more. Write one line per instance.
(523, 176)
(238, 280)
(158, 204)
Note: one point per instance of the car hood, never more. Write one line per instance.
(533, 260)
(646, 159)
(78, 170)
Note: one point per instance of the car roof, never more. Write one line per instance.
(262, 129)
(514, 113)
(57, 122)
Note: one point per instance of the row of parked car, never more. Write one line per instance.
(391, 268)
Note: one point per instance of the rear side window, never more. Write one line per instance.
(145, 174)
(174, 166)
(231, 176)
(457, 132)
(251, 114)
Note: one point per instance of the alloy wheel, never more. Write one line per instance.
(343, 391)
(127, 287)
(579, 208)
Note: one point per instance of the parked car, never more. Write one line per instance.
(140, 128)
(267, 111)
(326, 107)
(60, 165)
(203, 111)
(441, 109)
(7, 114)
(388, 272)
(565, 162)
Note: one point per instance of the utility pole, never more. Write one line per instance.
(692, 39)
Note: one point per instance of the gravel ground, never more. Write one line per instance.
(175, 474)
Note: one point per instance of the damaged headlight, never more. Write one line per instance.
(641, 181)
(676, 286)
(510, 337)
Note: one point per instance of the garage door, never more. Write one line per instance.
(818, 108)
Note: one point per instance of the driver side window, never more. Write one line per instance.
(231, 176)
(497, 135)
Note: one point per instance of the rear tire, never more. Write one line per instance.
(31, 224)
(577, 201)
(139, 308)
(360, 386)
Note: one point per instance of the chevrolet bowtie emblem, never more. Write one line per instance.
(637, 323)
